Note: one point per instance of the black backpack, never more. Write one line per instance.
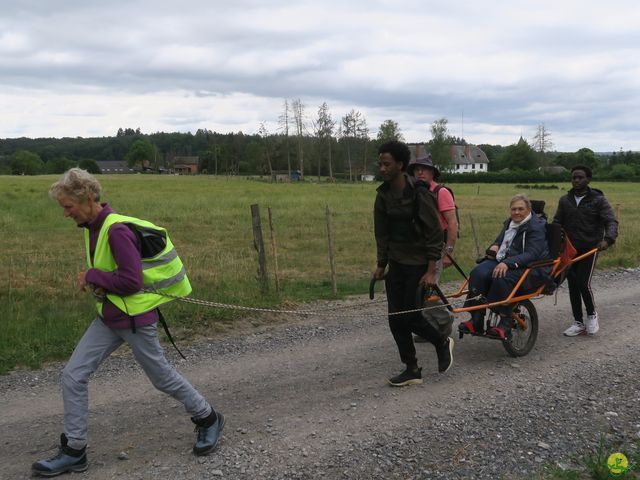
(152, 242)
(413, 224)
(437, 191)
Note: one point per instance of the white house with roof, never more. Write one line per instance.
(464, 158)
(468, 159)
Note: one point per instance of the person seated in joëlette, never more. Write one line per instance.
(521, 242)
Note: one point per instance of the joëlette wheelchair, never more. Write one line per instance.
(524, 331)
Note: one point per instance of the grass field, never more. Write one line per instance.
(42, 316)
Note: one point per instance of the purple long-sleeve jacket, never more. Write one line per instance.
(126, 279)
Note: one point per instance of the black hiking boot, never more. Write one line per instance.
(208, 432)
(67, 460)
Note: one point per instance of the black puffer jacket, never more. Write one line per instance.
(589, 222)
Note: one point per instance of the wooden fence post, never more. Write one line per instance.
(618, 213)
(332, 259)
(475, 234)
(274, 250)
(258, 243)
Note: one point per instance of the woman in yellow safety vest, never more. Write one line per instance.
(133, 268)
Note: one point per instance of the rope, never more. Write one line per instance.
(323, 312)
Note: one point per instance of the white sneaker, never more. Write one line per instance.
(592, 324)
(575, 329)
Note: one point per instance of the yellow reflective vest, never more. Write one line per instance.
(163, 273)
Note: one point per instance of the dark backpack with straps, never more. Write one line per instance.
(437, 192)
(152, 242)
(419, 185)
(409, 229)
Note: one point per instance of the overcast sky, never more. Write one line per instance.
(83, 68)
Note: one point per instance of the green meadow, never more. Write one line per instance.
(209, 220)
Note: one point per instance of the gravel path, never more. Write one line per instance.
(308, 399)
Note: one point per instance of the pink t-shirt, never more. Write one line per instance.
(445, 203)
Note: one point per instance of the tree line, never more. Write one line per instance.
(306, 143)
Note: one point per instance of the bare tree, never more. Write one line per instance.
(323, 127)
(542, 143)
(297, 107)
(542, 139)
(264, 134)
(363, 134)
(283, 122)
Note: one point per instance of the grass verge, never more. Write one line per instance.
(209, 220)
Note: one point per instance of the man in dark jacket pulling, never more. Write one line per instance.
(409, 241)
(587, 217)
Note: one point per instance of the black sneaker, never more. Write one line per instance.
(67, 460)
(408, 377)
(445, 355)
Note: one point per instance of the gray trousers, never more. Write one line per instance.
(97, 343)
(439, 318)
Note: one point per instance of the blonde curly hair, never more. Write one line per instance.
(77, 184)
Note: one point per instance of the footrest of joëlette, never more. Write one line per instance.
(481, 335)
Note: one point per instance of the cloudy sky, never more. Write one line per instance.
(496, 69)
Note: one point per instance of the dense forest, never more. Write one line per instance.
(342, 153)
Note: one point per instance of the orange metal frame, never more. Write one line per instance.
(557, 268)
